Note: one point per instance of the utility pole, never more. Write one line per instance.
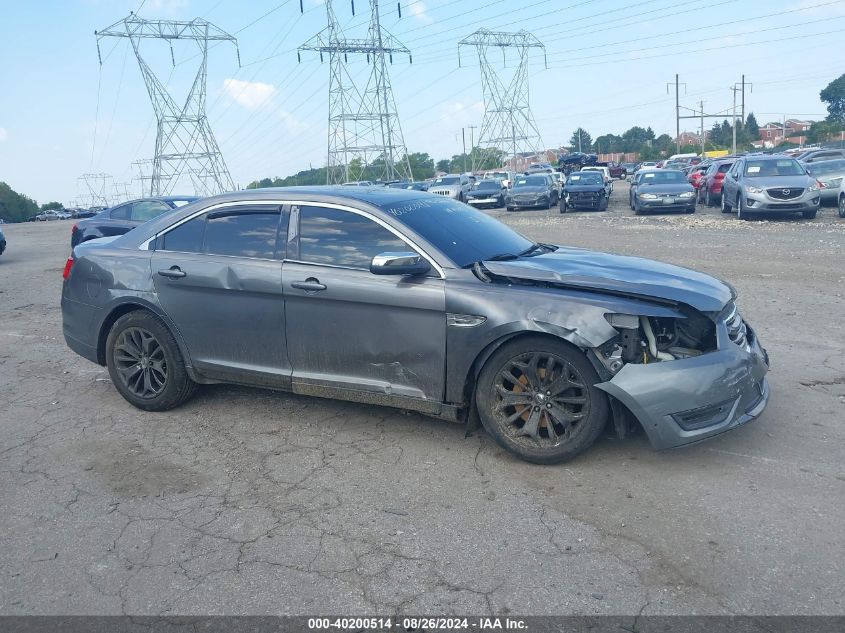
(464, 142)
(185, 144)
(472, 145)
(677, 109)
(363, 124)
(733, 120)
(701, 104)
(508, 120)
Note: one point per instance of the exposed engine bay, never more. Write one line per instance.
(644, 339)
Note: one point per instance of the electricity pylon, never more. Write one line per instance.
(508, 124)
(185, 144)
(96, 189)
(365, 136)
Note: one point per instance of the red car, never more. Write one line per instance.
(710, 191)
(695, 176)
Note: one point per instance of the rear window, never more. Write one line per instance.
(662, 177)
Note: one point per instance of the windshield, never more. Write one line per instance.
(530, 181)
(462, 233)
(781, 167)
(594, 178)
(447, 180)
(489, 184)
(827, 167)
(662, 177)
(498, 174)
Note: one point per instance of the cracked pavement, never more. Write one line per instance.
(247, 501)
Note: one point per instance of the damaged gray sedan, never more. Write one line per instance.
(417, 301)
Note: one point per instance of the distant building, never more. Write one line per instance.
(689, 138)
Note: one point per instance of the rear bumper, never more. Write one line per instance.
(685, 401)
(80, 327)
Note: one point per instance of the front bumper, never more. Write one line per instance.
(590, 201)
(808, 202)
(481, 201)
(684, 401)
(526, 203)
(661, 203)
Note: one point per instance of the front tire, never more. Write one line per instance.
(811, 215)
(741, 211)
(563, 205)
(537, 398)
(726, 208)
(145, 363)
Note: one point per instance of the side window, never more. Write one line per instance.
(144, 211)
(342, 238)
(236, 232)
(121, 212)
(185, 238)
(242, 233)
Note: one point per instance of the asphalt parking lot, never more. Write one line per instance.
(253, 502)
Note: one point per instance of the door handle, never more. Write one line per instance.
(174, 272)
(309, 285)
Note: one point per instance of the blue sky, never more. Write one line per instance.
(609, 62)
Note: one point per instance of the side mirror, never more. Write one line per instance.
(399, 264)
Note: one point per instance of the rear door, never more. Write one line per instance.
(350, 331)
(219, 278)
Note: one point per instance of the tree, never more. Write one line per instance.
(422, 165)
(752, 129)
(822, 131)
(48, 206)
(443, 165)
(834, 96)
(664, 143)
(609, 143)
(581, 140)
(15, 207)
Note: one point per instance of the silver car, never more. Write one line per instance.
(771, 184)
(829, 173)
(456, 186)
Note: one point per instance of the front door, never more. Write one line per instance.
(352, 334)
(219, 278)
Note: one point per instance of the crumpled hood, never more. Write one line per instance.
(581, 268)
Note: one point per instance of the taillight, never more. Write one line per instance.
(68, 266)
(73, 229)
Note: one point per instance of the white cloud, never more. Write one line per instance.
(252, 95)
(418, 10)
(3, 134)
(460, 113)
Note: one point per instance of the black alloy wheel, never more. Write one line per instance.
(537, 398)
(140, 362)
(145, 363)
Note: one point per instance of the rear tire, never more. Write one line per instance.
(842, 206)
(537, 398)
(158, 381)
(508, 208)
